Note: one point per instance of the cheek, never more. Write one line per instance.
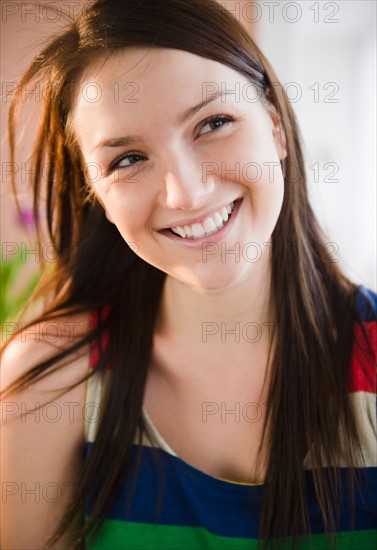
(131, 214)
(266, 198)
(254, 163)
(249, 158)
(268, 193)
(262, 176)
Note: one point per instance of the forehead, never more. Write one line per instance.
(147, 82)
(155, 69)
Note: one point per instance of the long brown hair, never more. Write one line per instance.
(312, 296)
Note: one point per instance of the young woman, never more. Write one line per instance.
(214, 384)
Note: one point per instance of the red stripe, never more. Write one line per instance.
(362, 361)
(94, 351)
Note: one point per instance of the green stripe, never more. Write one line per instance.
(125, 535)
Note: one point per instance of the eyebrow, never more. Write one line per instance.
(184, 117)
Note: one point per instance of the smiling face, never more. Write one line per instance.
(160, 164)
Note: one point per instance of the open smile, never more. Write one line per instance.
(215, 226)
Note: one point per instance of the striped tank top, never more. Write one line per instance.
(199, 511)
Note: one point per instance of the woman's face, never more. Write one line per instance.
(153, 169)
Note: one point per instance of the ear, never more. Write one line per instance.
(278, 133)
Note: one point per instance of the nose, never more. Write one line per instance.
(186, 187)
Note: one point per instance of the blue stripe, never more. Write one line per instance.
(366, 304)
(193, 498)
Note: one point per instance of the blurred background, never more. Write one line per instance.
(324, 54)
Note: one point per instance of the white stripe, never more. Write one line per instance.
(93, 405)
(158, 439)
(364, 407)
(362, 403)
(93, 414)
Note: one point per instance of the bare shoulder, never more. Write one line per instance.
(42, 432)
(42, 341)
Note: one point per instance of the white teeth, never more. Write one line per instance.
(181, 231)
(224, 214)
(188, 230)
(198, 230)
(207, 227)
(218, 220)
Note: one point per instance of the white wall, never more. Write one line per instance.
(304, 49)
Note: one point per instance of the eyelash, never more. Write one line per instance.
(114, 164)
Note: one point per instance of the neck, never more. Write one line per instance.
(228, 315)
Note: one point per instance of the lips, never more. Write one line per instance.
(219, 214)
(198, 219)
(215, 236)
(211, 224)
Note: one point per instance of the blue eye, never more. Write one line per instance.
(117, 163)
(224, 119)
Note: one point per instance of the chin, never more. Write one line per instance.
(213, 279)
